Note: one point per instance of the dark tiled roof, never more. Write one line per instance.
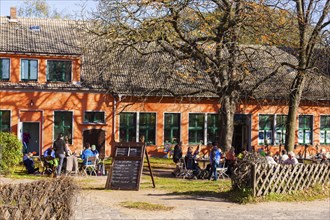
(129, 73)
(41, 36)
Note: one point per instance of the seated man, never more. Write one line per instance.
(29, 163)
(270, 159)
(291, 160)
(87, 153)
(95, 151)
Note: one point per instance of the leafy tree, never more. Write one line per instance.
(193, 40)
(312, 19)
(10, 152)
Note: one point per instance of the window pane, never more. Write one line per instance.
(5, 120)
(127, 127)
(172, 127)
(94, 117)
(147, 127)
(59, 70)
(325, 129)
(63, 124)
(4, 68)
(29, 69)
(33, 70)
(266, 124)
(281, 128)
(196, 128)
(305, 129)
(213, 124)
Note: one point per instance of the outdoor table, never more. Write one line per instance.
(71, 164)
(203, 160)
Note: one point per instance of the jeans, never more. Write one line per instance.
(214, 167)
(61, 157)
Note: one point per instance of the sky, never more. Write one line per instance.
(65, 6)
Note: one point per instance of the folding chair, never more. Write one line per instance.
(90, 166)
(222, 170)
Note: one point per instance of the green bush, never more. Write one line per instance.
(10, 152)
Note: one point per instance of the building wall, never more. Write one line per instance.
(186, 106)
(44, 105)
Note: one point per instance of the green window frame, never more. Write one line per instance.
(280, 129)
(196, 128)
(213, 127)
(4, 68)
(63, 123)
(325, 129)
(94, 117)
(127, 126)
(266, 125)
(172, 127)
(29, 70)
(59, 71)
(4, 121)
(147, 127)
(305, 129)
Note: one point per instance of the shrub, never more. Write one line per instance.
(10, 152)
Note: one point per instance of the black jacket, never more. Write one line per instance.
(59, 147)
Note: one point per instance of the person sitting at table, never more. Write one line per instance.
(291, 160)
(95, 151)
(86, 153)
(29, 163)
(50, 158)
(270, 159)
(190, 159)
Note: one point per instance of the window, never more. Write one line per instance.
(29, 70)
(4, 120)
(127, 126)
(63, 124)
(325, 129)
(147, 127)
(196, 128)
(280, 129)
(172, 128)
(266, 124)
(4, 69)
(59, 71)
(305, 129)
(94, 117)
(213, 122)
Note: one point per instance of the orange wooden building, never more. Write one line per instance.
(43, 92)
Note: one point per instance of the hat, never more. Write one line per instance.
(93, 147)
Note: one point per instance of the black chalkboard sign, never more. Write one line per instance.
(127, 166)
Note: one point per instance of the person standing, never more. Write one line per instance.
(177, 155)
(60, 151)
(215, 156)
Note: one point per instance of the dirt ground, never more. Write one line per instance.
(102, 204)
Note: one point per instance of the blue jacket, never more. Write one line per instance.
(87, 153)
(215, 155)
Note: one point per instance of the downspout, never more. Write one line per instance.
(114, 110)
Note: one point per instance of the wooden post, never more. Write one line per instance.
(152, 176)
(253, 179)
(142, 139)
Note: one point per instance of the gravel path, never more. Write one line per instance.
(104, 204)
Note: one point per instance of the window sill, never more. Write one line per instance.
(94, 123)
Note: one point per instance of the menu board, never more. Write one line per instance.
(127, 166)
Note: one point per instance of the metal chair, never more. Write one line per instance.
(90, 166)
(222, 170)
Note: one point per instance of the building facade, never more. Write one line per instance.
(42, 94)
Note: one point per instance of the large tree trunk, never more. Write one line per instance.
(227, 112)
(294, 101)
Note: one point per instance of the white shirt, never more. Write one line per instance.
(292, 161)
(270, 160)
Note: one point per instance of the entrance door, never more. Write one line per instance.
(96, 137)
(241, 136)
(30, 136)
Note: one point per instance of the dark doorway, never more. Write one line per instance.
(96, 137)
(31, 137)
(242, 132)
